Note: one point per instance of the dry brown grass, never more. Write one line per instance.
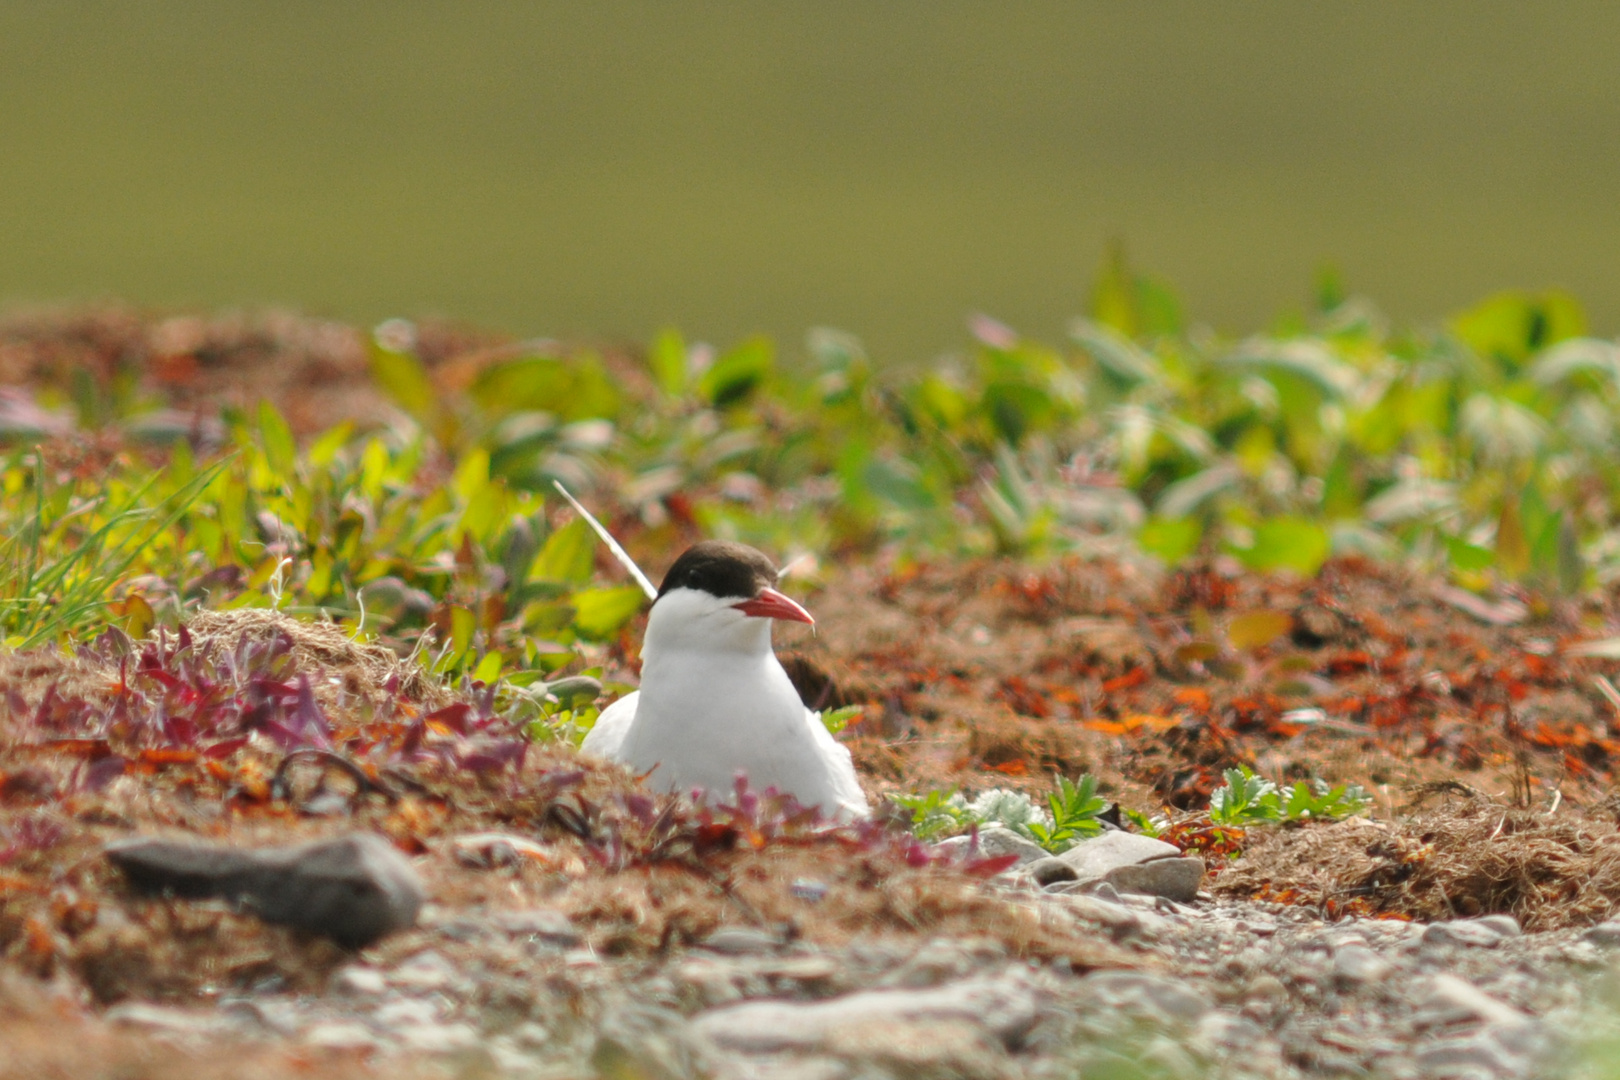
(1474, 856)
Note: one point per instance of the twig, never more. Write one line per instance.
(612, 545)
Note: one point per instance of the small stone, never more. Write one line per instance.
(1470, 932)
(802, 969)
(1120, 921)
(439, 1038)
(547, 924)
(359, 981)
(341, 1035)
(994, 842)
(1604, 935)
(1445, 999)
(425, 971)
(809, 890)
(1224, 1032)
(742, 941)
(1266, 987)
(1356, 965)
(407, 1012)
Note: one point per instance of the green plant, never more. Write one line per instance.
(1076, 814)
(1246, 799)
(936, 813)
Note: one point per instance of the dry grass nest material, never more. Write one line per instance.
(1473, 856)
(355, 667)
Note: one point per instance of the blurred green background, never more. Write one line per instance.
(605, 168)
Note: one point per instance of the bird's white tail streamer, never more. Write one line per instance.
(612, 545)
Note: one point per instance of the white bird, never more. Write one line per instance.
(714, 700)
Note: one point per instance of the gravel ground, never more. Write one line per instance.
(1238, 989)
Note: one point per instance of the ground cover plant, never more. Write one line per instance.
(1334, 589)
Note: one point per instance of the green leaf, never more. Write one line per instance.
(598, 613)
(738, 372)
(403, 378)
(1512, 546)
(1289, 543)
(1468, 557)
(280, 448)
(836, 720)
(1171, 539)
(568, 556)
(667, 358)
(1511, 326)
(489, 668)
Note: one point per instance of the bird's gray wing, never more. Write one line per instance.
(846, 786)
(607, 737)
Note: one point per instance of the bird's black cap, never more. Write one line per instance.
(721, 568)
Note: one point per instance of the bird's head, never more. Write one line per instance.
(720, 594)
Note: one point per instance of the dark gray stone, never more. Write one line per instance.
(353, 889)
(1050, 871)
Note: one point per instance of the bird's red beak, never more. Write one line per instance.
(770, 604)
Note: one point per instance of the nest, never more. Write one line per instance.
(363, 669)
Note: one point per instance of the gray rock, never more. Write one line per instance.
(353, 889)
(1132, 863)
(1445, 1000)
(1004, 1007)
(994, 842)
(1094, 859)
(1173, 879)
(1605, 934)
(1157, 997)
(1475, 932)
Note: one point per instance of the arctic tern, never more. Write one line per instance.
(714, 700)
